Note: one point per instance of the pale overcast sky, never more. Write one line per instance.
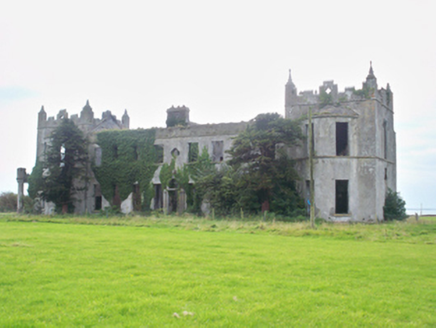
(226, 60)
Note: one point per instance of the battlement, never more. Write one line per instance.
(328, 93)
(85, 122)
(86, 118)
(177, 116)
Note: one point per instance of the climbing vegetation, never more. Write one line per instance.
(62, 173)
(128, 158)
(325, 99)
(365, 92)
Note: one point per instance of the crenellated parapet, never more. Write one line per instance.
(329, 94)
(86, 118)
(85, 122)
(354, 147)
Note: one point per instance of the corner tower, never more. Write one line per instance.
(354, 144)
(290, 94)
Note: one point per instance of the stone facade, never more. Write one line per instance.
(176, 143)
(354, 144)
(85, 200)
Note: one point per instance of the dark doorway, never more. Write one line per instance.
(157, 196)
(341, 139)
(136, 199)
(341, 196)
(97, 197)
(172, 195)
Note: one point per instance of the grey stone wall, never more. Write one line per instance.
(370, 165)
(205, 135)
(85, 199)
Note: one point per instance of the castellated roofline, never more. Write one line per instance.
(329, 91)
(86, 117)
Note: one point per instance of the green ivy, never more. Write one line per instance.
(35, 180)
(325, 99)
(174, 121)
(166, 173)
(183, 175)
(128, 157)
(365, 92)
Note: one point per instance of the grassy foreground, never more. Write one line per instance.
(187, 272)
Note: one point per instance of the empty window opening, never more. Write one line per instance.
(307, 139)
(135, 152)
(193, 152)
(62, 153)
(159, 153)
(97, 197)
(341, 139)
(386, 173)
(175, 152)
(217, 151)
(172, 184)
(98, 156)
(280, 151)
(341, 196)
(385, 140)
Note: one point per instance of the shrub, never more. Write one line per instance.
(395, 206)
(8, 202)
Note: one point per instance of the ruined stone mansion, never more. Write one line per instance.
(354, 149)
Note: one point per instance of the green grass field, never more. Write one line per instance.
(138, 272)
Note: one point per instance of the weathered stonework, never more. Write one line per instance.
(362, 123)
(354, 143)
(85, 200)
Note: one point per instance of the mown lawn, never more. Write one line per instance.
(95, 275)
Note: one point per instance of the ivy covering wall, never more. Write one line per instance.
(128, 157)
(189, 172)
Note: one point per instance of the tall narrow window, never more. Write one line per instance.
(62, 154)
(341, 196)
(98, 154)
(313, 139)
(135, 152)
(159, 153)
(385, 140)
(136, 197)
(217, 151)
(193, 152)
(342, 139)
